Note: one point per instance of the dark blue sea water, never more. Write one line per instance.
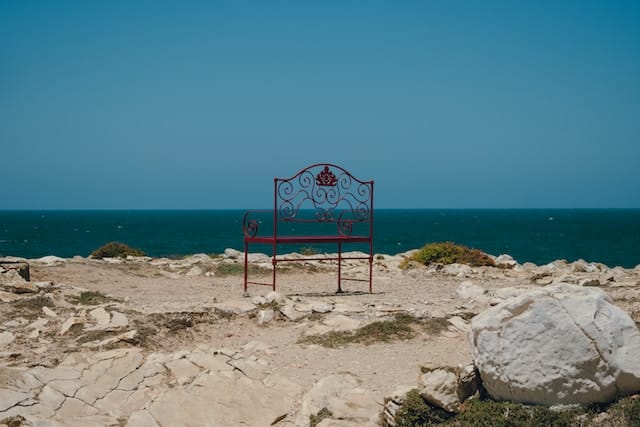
(540, 236)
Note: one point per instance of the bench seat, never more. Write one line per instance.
(307, 239)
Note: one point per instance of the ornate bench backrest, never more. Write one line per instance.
(328, 192)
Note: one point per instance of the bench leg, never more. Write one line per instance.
(246, 266)
(339, 291)
(370, 273)
(275, 265)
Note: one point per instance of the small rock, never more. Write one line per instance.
(505, 261)
(67, 324)
(304, 307)
(232, 254)
(101, 316)
(38, 324)
(19, 265)
(258, 300)
(24, 288)
(568, 279)
(6, 338)
(265, 316)
(468, 290)
(258, 258)
(447, 387)
(48, 312)
(49, 260)
(394, 403)
(194, 271)
(341, 395)
(12, 281)
(289, 311)
(580, 266)
(118, 321)
(14, 323)
(274, 296)
(321, 307)
(589, 282)
(458, 270)
(460, 324)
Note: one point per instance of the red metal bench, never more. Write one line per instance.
(321, 204)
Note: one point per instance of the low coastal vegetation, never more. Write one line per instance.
(116, 250)
(401, 327)
(309, 250)
(448, 253)
(15, 421)
(235, 269)
(415, 411)
(90, 298)
(315, 419)
(31, 308)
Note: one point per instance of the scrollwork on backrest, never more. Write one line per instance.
(325, 188)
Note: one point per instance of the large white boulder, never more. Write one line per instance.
(562, 344)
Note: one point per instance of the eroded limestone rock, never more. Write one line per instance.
(562, 344)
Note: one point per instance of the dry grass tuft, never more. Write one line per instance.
(402, 327)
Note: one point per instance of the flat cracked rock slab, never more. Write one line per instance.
(125, 387)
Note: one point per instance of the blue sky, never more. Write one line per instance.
(137, 105)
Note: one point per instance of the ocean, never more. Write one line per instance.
(610, 236)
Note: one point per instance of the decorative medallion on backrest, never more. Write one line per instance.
(326, 178)
(326, 188)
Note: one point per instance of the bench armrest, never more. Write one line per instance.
(252, 220)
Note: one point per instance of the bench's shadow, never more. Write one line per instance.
(332, 294)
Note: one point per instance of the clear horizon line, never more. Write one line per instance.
(271, 208)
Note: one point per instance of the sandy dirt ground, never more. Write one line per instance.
(172, 306)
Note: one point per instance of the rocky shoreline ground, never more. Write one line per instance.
(155, 341)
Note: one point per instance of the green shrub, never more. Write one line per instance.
(308, 250)
(625, 411)
(398, 328)
(90, 298)
(116, 250)
(449, 253)
(415, 412)
(488, 413)
(233, 269)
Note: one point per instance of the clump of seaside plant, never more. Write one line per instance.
(479, 411)
(449, 253)
(116, 250)
(416, 412)
(486, 412)
(309, 250)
